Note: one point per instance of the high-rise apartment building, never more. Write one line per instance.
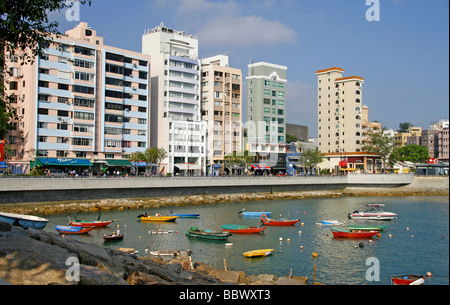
(82, 103)
(221, 110)
(266, 104)
(176, 113)
(340, 111)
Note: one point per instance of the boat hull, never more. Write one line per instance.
(255, 214)
(280, 223)
(367, 228)
(410, 279)
(365, 216)
(185, 215)
(86, 224)
(72, 230)
(353, 234)
(258, 253)
(24, 221)
(165, 253)
(159, 218)
(251, 230)
(237, 229)
(113, 237)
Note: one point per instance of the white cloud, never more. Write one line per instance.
(248, 31)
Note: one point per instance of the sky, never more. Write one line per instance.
(403, 55)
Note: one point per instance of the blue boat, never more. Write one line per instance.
(184, 215)
(72, 229)
(254, 214)
(25, 221)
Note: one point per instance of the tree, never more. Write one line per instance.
(412, 153)
(381, 145)
(238, 160)
(404, 127)
(24, 27)
(136, 156)
(310, 158)
(152, 156)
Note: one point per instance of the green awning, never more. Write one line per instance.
(114, 162)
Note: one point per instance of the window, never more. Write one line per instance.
(83, 89)
(63, 113)
(84, 76)
(83, 128)
(63, 87)
(84, 51)
(113, 143)
(83, 115)
(81, 142)
(83, 63)
(83, 102)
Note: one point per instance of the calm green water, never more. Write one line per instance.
(339, 261)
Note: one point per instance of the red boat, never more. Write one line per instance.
(86, 224)
(279, 223)
(410, 279)
(337, 232)
(238, 229)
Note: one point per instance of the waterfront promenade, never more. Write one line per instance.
(29, 189)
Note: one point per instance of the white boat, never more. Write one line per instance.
(25, 221)
(375, 212)
(330, 223)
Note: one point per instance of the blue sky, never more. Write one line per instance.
(404, 57)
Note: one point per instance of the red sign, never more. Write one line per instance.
(343, 164)
(432, 161)
(2, 145)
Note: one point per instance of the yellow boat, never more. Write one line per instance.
(257, 253)
(159, 218)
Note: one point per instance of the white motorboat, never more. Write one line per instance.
(25, 221)
(375, 212)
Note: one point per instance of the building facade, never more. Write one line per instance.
(266, 108)
(176, 109)
(340, 111)
(82, 101)
(221, 110)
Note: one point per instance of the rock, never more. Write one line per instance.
(295, 280)
(139, 278)
(93, 276)
(227, 276)
(262, 279)
(5, 227)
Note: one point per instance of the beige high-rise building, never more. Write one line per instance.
(221, 110)
(340, 111)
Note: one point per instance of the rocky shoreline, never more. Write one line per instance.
(36, 257)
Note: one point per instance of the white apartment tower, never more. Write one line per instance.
(340, 116)
(175, 99)
(221, 110)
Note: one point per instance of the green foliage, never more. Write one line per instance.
(412, 153)
(381, 145)
(311, 158)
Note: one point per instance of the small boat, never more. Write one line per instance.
(254, 214)
(367, 228)
(258, 253)
(184, 215)
(94, 224)
(113, 236)
(278, 223)
(374, 213)
(330, 223)
(165, 253)
(24, 221)
(128, 250)
(207, 234)
(158, 231)
(72, 230)
(337, 232)
(157, 217)
(410, 279)
(240, 229)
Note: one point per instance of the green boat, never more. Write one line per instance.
(367, 228)
(207, 234)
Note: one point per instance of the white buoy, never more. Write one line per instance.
(281, 238)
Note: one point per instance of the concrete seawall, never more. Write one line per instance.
(28, 190)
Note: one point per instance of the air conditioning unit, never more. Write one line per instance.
(64, 121)
(59, 118)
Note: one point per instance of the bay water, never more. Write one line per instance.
(416, 242)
